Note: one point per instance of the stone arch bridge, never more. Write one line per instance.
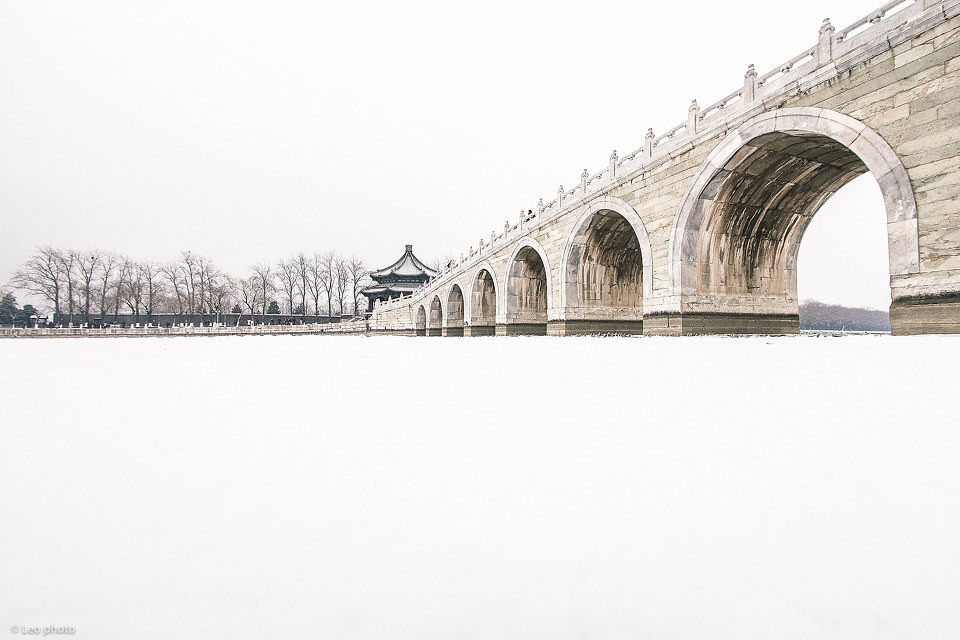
(698, 230)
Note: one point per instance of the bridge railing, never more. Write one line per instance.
(756, 89)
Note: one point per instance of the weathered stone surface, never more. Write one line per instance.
(698, 231)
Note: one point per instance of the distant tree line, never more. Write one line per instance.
(79, 286)
(831, 317)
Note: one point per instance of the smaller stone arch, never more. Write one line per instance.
(420, 326)
(454, 316)
(606, 270)
(528, 289)
(484, 302)
(435, 318)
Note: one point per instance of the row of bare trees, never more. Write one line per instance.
(323, 283)
(78, 286)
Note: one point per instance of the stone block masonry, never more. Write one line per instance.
(698, 230)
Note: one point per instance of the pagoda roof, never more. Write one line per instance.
(380, 289)
(408, 266)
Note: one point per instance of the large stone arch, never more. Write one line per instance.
(454, 314)
(484, 304)
(606, 270)
(527, 289)
(420, 326)
(737, 233)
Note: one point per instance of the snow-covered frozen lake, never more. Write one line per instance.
(529, 488)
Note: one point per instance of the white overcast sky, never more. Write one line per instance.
(245, 131)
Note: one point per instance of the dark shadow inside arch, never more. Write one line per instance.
(435, 321)
(421, 326)
(527, 294)
(483, 308)
(752, 216)
(604, 277)
(454, 312)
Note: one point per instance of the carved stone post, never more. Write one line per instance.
(613, 165)
(693, 116)
(583, 182)
(750, 85)
(648, 144)
(560, 198)
(506, 228)
(825, 44)
(540, 207)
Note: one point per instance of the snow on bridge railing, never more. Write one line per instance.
(657, 149)
(876, 17)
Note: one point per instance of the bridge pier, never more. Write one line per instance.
(595, 327)
(935, 314)
(521, 329)
(453, 332)
(692, 324)
(479, 330)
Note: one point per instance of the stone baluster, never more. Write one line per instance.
(523, 218)
(506, 228)
(826, 42)
(613, 165)
(648, 144)
(693, 117)
(560, 198)
(540, 207)
(493, 237)
(749, 85)
(583, 182)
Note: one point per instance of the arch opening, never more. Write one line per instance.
(757, 207)
(843, 270)
(435, 321)
(527, 291)
(483, 307)
(454, 324)
(604, 276)
(421, 324)
(736, 240)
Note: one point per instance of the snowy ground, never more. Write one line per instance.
(529, 488)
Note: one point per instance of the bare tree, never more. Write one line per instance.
(303, 270)
(108, 264)
(134, 290)
(124, 270)
(150, 273)
(315, 280)
(342, 282)
(68, 266)
(358, 275)
(288, 275)
(263, 271)
(249, 291)
(328, 277)
(87, 263)
(43, 276)
(219, 295)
